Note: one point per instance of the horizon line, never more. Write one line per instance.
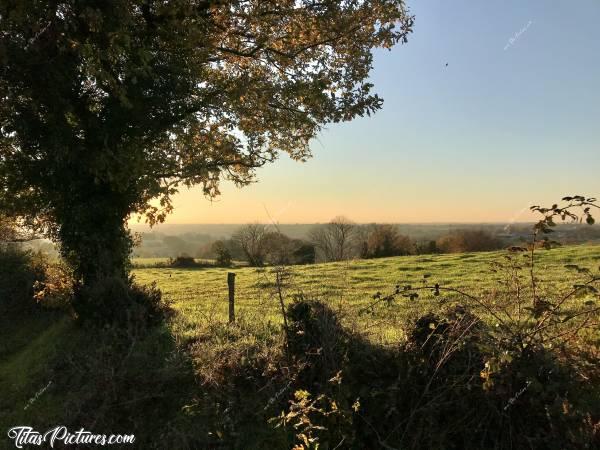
(324, 223)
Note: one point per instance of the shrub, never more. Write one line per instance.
(28, 278)
(468, 241)
(316, 339)
(182, 261)
(426, 248)
(317, 421)
(121, 303)
(305, 253)
(19, 271)
(447, 367)
(55, 290)
(456, 383)
(222, 254)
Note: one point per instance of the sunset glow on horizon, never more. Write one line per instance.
(509, 122)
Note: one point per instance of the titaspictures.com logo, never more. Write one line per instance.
(27, 436)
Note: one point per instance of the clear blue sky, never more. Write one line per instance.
(496, 130)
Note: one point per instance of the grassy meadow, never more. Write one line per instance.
(201, 294)
(185, 371)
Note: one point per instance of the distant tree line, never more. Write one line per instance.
(338, 240)
(341, 239)
(259, 245)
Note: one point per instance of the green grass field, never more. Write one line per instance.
(201, 294)
(35, 349)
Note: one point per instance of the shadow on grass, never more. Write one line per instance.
(239, 387)
(55, 371)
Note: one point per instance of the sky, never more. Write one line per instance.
(512, 120)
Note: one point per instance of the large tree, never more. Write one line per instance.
(252, 239)
(385, 240)
(107, 107)
(335, 240)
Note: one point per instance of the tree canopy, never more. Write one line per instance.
(107, 106)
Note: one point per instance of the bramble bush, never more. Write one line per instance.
(513, 368)
(55, 289)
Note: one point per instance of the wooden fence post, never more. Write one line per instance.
(231, 284)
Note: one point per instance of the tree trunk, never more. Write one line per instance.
(100, 250)
(95, 241)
